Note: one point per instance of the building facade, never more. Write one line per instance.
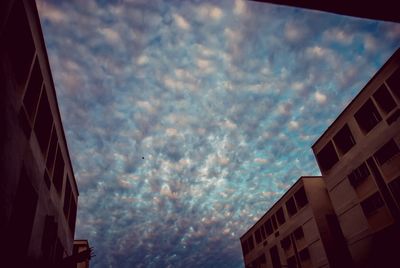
(298, 231)
(359, 158)
(38, 191)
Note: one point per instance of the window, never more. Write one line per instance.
(33, 90)
(67, 198)
(304, 255)
(280, 216)
(344, 140)
(291, 207)
(367, 116)
(386, 152)
(327, 157)
(291, 262)
(263, 235)
(72, 215)
(394, 82)
(51, 154)
(268, 227)
(371, 204)
(384, 99)
(258, 236)
(395, 189)
(357, 176)
(58, 176)
(276, 260)
(43, 123)
(285, 243)
(259, 261)
(251, 242)
(273, 220)
(298, 233)
(301, 197)
(19, 44)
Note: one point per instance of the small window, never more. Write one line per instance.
(384, 99)
(327, 157)
(268, 227)
(43, 123)
(357, 176)
(58, 176)
(263, 235)
(291, 207)
(273, 220)
(386, 152)
(395, 189)
(291, 262)
(67, 198)
(251, 242)
(72, 215)
(344, 140)
(367, 116)
(304, 255)
(33, 90)
(258, 236)
(301, 197)
(394, 82)
(280, 216)
(285, 243)
(298, 233)
(372, 204)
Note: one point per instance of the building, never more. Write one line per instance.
(299, 230)
(359, 158)
(38, 191)
(353, 210)
(79, 247)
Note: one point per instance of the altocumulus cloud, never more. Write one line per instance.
(186, 120)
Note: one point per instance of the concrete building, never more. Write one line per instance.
(299, 230)
(38, 191)
(359, 158)
(79, 247)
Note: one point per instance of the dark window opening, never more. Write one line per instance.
(298, 233)
(384, 99)
(276, 261)
(263, 235)
(291, 207)
(251, 242)
(367, 116)
(67, 198)
(43, 123)
(51, 154)
(58, 176)
(19, 42)
(274, 224)
(304, 255)
(394, 82)
(386, 152)
(344, 140)
(268, 227)
(395, 189)
(285, 243)
(259, 261)
(72, 216)
(33, 90)
(327, 157)
(258, 236)
(280, 216)
(301, 197)
(291, 262)
(357, 176)
(372, 204)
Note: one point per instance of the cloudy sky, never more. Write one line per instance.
(186, 120)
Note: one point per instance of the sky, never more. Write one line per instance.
(187, 120)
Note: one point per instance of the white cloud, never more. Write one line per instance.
(53, 14)
(319, 97)
(260, 160)
(210, 12)
(181, 22)
(240, 7)
(293, 125)
(338, 35)
(111, 35)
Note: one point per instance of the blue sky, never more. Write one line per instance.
(186, 120)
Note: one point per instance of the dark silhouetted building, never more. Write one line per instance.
(38, 191)
(359, 158)
(357, 223)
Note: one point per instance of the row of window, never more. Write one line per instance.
(297, 234)
(367, 117)
(294, 203)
